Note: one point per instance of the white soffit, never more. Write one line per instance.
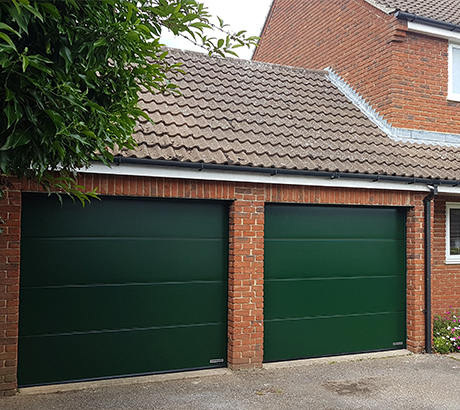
(141, 170)
(433, 31)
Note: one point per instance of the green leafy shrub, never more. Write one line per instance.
(446, 332)
(71, 72)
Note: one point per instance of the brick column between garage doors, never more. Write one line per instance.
(415, 292)
(245, 296)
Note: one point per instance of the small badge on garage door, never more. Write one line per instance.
(397, 343)
(216, 361)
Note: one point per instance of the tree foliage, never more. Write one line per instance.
(70, 73)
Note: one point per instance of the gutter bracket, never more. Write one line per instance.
(335, 175)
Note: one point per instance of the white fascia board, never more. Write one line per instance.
(253, 177)
(449, 190)
(433, 31)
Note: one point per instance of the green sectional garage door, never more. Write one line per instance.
(335, 280)
(122, 287)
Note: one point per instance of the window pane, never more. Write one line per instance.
(456, 70)
(455, 231)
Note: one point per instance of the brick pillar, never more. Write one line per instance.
(245, 304)
(416, 277)
(10, 212)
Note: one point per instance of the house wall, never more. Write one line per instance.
(246, 255)
(402, 75)
(445, 277)
(420, 70)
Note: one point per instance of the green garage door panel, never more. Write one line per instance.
(121, 262)
(124, 352)
(323, 336)
(124, 286)
(91, 308)
(312, 258)
(335, 280)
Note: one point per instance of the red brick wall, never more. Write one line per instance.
(402, 75)
(445, 278)
(420, 70)
(246, 230)
(246, 276)
(10, 212)
(415, 276)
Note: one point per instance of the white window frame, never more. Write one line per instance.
(450, 94)
(450, 259)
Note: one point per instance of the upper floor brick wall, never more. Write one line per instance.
(420, 70)
(402, 75)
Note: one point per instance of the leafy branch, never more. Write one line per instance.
(71, 72)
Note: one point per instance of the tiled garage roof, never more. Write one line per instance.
(237, 112)
(441, 10)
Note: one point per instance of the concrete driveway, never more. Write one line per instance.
(376, 381)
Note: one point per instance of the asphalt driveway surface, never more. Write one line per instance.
(419, 382)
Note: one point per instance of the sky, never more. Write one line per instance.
(246, 15)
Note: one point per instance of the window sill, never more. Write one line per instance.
(453, 97)
(452, 262)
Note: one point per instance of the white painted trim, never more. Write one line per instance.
(450, 190)
(262, 178)
(450, 259)
(450, 94)
(433, 31)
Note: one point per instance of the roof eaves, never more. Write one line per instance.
(414, 18)
(411, 17)
(330, 175)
